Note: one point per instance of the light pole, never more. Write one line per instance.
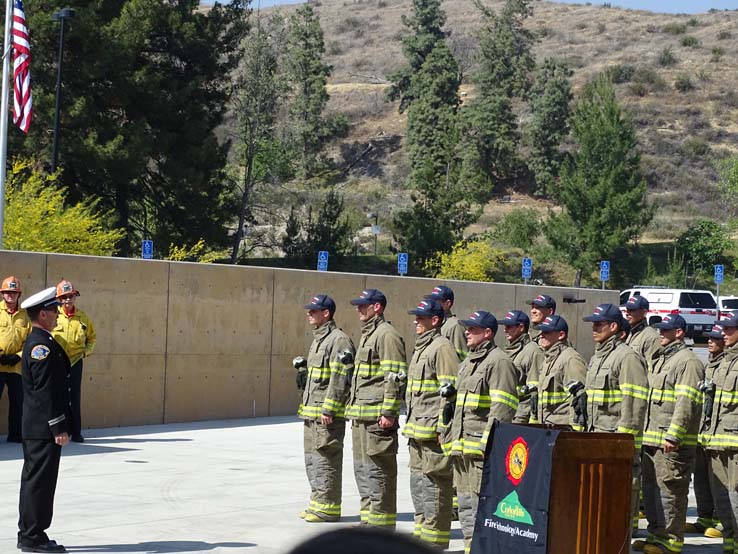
(61, 16)
(375, 228)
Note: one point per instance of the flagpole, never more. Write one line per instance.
(4, 113)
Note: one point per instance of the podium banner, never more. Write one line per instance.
(513, 499)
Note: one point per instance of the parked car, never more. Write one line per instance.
(697, 307)
(727, 305)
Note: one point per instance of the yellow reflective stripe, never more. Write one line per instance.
(447, 378)
(676, 431)
(691, 393)
(338, 368)
(577, 427)
(438, 537)
(502, 397)
(604, 395)
(393, 365)
(391, 405)
(319, 372)
(364, 514)
(533, 383)
(310, 411)
(417, 529)
(636, 391)
(548, 397)
(382, 519)
(360, 411)
(713, 441)
(463, 446)
(662, 395)
(726, 397)
(367, 370)
(416, 431)
(462, 354)
(473, 400)
(422, 385)
(330, 405)
(328, 509)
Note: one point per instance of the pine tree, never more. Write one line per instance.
(308, 76)
(258, 92)
(550, 106)
(602, 190)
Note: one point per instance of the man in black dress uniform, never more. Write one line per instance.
(46, 415)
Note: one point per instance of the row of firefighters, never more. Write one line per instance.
(642, 380)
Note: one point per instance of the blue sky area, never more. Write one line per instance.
(662, 6)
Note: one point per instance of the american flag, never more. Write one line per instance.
(22, 102)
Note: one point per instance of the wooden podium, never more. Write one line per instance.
(589, 506)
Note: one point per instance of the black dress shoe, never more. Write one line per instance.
(49, 546)
(78, 438)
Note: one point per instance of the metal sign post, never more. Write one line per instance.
(604, 272)
(402, 259)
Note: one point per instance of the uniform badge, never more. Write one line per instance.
(40, 352)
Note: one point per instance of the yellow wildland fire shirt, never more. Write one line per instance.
(722, 432)
(674, 401)
(434, 363)
(561, 365)
(380, 369)
(617, 390)
(327, 378)
(487, 389)
(14, 329)
(76, 334)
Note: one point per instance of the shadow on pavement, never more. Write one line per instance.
(94, 440)
(160, 547)
(15, 451)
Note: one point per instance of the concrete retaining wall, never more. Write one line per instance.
(187, 342)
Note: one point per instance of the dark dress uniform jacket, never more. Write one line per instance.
(45, 369)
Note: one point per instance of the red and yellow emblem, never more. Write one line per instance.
(516, 461)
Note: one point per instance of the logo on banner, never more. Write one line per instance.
(516, 461)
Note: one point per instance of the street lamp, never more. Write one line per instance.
(375, 228)
(61, 16)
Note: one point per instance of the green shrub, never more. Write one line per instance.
(348, 24)
(724, 35)
(519, 228)
(717, 54)
(695, 147)
(638, 89)
(690, 42)
(683, 83)
(649, 77)
(601, 28)
(693, 22)
(704, 76)
(621, 73)
(334, 48)
(581, 25)
(666, 57)
(674, 28)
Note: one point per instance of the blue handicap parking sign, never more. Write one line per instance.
(147, 250)
(402, 259)
(719, 273)
(605, 266)
(527, 268)
(323, 260)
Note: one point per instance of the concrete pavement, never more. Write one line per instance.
(226, 487)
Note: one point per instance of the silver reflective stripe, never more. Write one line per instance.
(57, 419)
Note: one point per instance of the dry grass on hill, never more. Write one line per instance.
(676, 74)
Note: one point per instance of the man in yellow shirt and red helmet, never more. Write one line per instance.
(14, 329)
(76, 334)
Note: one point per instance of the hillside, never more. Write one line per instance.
(681, 132)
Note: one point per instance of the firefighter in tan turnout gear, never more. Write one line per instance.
(643, 339)
(617, 386)
(374, 408)
(561, 396)
(487, 390)
(451, 328)
(431, 380)
(720, 438)
(669, 438)
(324, 378)
(541, 307)
(528, 358)
(707, 521)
